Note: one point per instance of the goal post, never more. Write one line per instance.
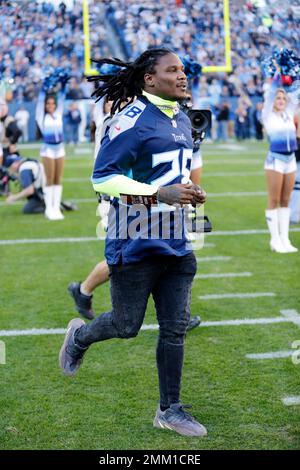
(226, 67)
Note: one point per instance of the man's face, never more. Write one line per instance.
(169, 80)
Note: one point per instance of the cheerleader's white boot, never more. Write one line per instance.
(273, 226)
(49, 197)
(58, 215)
(284, 225)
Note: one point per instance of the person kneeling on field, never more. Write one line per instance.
(31, 176)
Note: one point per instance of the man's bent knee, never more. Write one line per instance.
(129, 331)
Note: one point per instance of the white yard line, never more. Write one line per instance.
(209, 161)
(238, 194)
(60, 331)
(87, 239)
(24, 241)
(89, 158)
(209, 195)
(246, 321)
(292, 315)
(291, 401)
(287, 315)
(232, 146)
(270, 355)
(33, 332)
(88, 164)
(83, 150)
(245, 232)
(250, 295)
(50, 240)
(77, 180)
(30, 146)
(89, 200)
(222, 275)
(207, 259)
(231, 173)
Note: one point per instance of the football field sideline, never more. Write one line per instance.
(239, 372)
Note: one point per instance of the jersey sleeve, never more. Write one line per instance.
(196, 160)
(26, 178)
(119, 149)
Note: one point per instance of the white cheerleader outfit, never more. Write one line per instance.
(51, 127)
(281, 131)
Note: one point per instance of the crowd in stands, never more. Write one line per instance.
(36, 35)
(197, 29)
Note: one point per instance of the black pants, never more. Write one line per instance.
(169, 280)
(259, 131)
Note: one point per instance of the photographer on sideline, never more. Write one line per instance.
(31, 176)
(9, 132)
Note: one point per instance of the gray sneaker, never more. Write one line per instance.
(71, 355)
(178, 420)
(193, 323)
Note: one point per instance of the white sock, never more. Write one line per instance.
(84, 292)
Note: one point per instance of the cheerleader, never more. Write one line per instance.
(280, 165)
(295, 199)
(49, 117)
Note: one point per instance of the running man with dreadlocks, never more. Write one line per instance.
(144, 162)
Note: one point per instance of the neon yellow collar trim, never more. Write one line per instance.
(166, 106)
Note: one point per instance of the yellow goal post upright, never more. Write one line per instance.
(227, 67)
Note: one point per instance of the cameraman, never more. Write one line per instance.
(9, 132)
(31, 176)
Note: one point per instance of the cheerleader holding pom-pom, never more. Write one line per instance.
(280, 165)
(49, 117)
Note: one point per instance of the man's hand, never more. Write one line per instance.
(11, 199)
(178, 194)
(200, 197)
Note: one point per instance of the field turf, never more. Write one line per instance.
(111, 403)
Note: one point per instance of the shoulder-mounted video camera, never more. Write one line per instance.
(5, 178)
(200, 121)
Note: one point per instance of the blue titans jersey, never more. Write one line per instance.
(144, 144)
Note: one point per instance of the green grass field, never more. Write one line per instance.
(111, 403)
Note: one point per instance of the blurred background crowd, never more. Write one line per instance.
(37, 34)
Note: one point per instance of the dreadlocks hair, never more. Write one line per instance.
(126, 83)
